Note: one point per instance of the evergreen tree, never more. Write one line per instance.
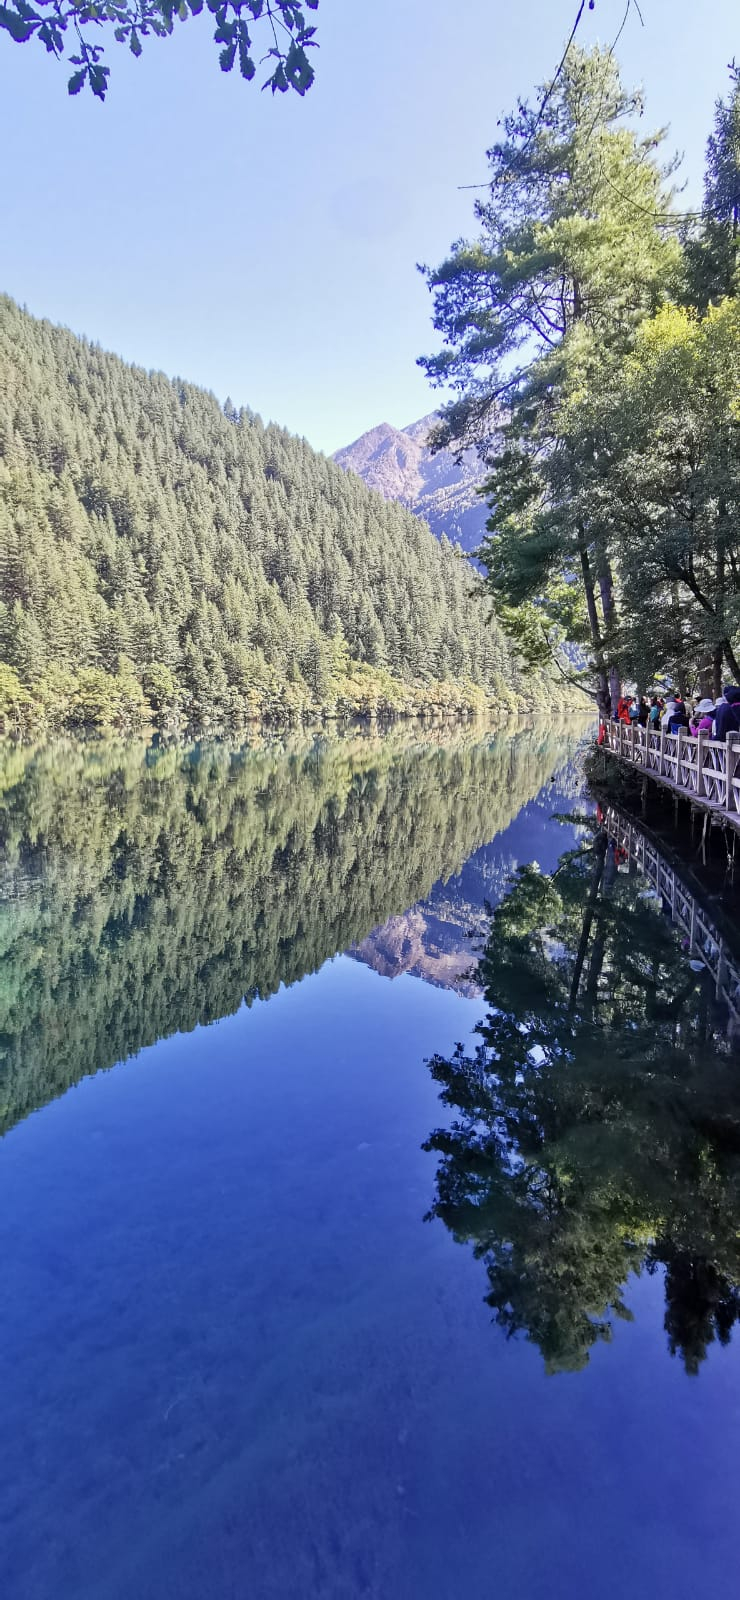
(713, 255)
(569, 259)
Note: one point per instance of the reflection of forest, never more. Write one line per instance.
(596, 1126)
(145, 891)
(438, 939)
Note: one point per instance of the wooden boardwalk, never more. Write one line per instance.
(705, 942)
(702, 770)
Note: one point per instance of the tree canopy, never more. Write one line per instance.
(66, 26)
(601, 402)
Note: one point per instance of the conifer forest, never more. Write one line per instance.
(162, 558)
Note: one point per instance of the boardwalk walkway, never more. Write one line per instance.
(704, 940)
(702, 770)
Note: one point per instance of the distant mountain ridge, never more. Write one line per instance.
(398, 463)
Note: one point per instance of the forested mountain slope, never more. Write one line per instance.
(207, 562)
(399, 464)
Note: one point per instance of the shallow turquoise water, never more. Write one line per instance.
(238, 1362)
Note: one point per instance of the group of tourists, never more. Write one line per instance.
(715, 718)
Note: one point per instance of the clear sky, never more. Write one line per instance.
(266, 248)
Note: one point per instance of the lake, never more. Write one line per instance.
(355, 1244)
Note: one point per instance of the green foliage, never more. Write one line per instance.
(52, 22)
(567, 241)
(570, 258)
(665, 486)
(238, 572)
(595, 1129)
(15, 702)
(160, 686)
(144, 891)
(713, 251)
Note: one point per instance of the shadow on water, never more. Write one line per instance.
(145, 891)
(594, 1130)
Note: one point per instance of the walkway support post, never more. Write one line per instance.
(732, 759)
(679, 749)
(700, 785)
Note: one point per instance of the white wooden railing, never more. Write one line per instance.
(704, 770)
(705, 942)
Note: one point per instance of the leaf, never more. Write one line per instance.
(135, 43)
(50, 34)
(19, 27)
(98, 80)
(298, 69)
(246, 64)
(76, 81)
(227, 57)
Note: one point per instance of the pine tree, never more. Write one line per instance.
(713, 255)
(569, 259)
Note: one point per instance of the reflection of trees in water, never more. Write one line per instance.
(147, 891)
(596, 1124)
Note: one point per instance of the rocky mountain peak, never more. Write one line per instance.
(398, 463)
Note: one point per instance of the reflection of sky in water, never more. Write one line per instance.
(237, 1364)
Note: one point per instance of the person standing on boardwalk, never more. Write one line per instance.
(727, 712)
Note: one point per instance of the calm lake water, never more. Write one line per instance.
(310, 1288)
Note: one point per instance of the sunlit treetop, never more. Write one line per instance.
(78, 31)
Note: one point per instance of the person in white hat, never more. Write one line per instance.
(701, 722)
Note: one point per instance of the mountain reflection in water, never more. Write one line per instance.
(595, 1127)
(438, 939)
(145, 891)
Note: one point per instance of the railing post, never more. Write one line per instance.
(633, 731)
(679, 746)
(732, 757)
(700, 787)
(661, 752)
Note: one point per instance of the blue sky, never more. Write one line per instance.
(267, 248)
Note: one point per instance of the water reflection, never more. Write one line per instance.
(595, 1129)
(145, 891)
(438, 938)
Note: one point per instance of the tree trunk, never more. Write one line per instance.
(603, 694)
(716, 688)
(720, 608)
(731, 659)
(710, 674)
(609, 613)
(596, 963)
(588, 917)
